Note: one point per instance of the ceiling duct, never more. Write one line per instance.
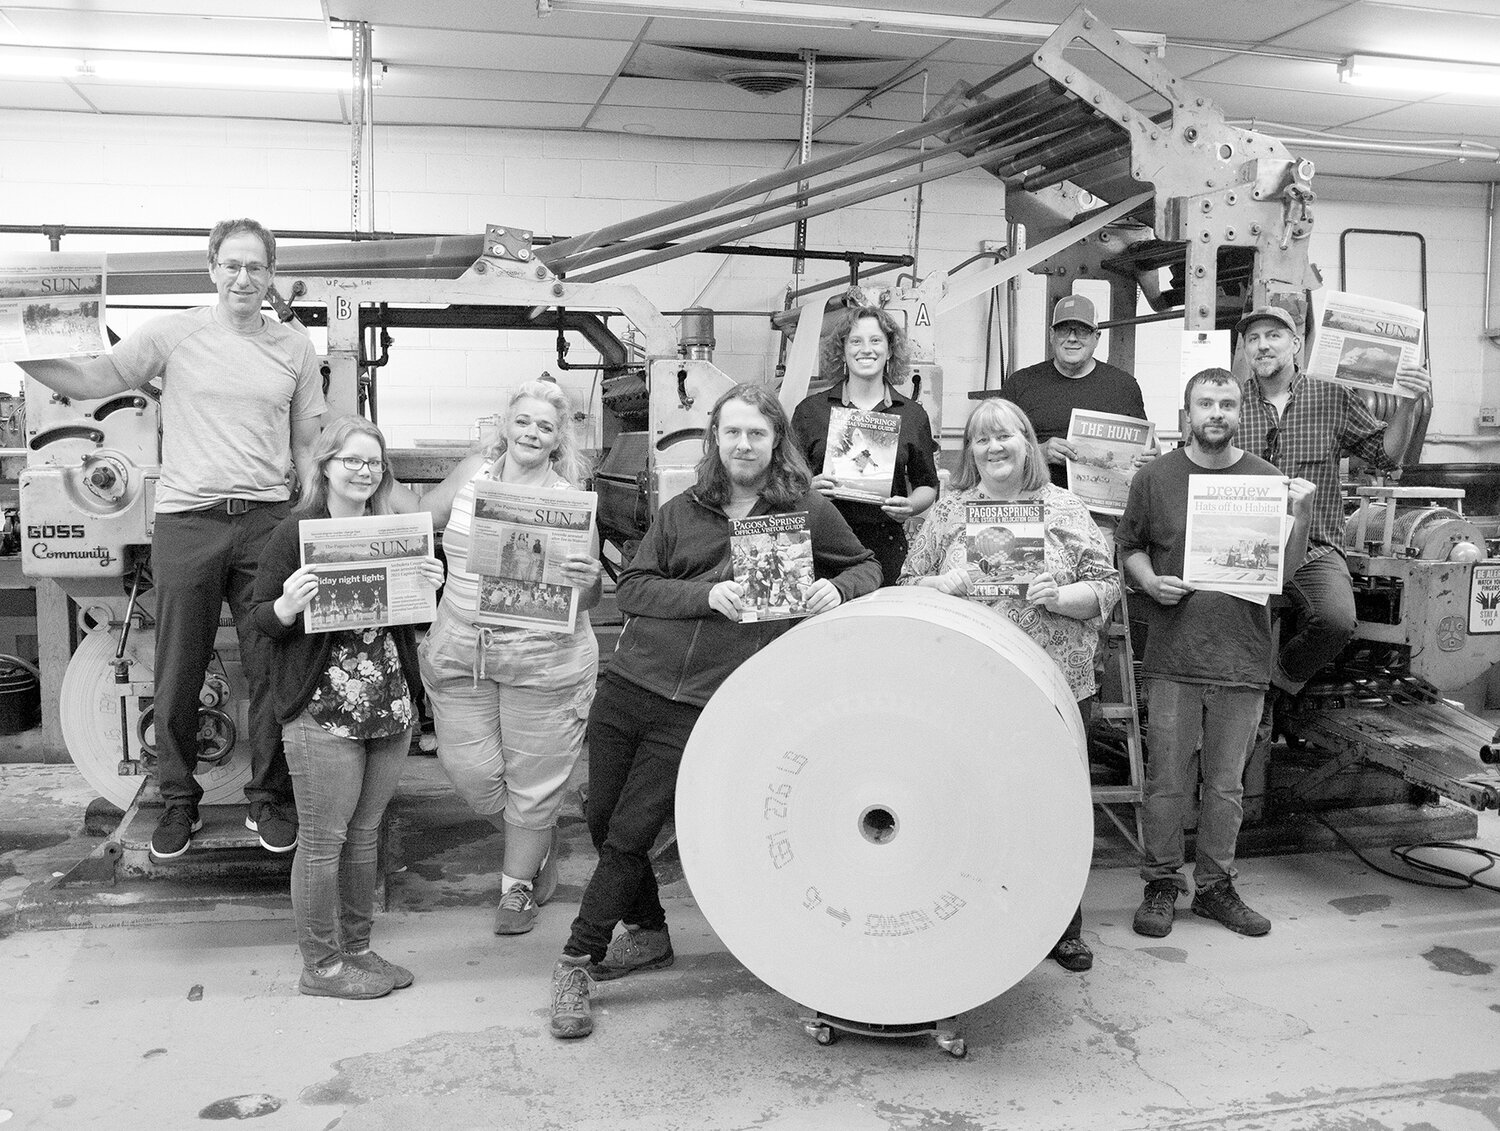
(763, 83)
(764, 73)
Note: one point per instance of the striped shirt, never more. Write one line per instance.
(1321, 424)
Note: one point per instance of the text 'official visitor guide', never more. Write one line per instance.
(51, 306)
(369, 571)
(861, 453)
(518, 541)
(1237, 527)
(772, 555)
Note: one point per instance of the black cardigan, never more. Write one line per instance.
(299, 659)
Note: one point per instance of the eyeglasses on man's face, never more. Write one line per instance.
(259, 272)
(354, 463)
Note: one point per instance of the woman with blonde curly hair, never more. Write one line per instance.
(510, 704)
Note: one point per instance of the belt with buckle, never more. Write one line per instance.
(240, 506)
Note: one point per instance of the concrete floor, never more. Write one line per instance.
(1372, 1005)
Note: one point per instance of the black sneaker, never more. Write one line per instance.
(174, 832)
(276, 823)
(1153, 918)
(1074, 955)
(1220, 901)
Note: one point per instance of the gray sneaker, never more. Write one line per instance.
(346, 980)
(637, 949)
(400, 976)
(572, 1015)
(1220, 901)
(1153, 918)
(517, 911)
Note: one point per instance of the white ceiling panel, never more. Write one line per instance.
(217, 103)
(1399, 30)
(471, 83)
(40, 96)
(469, 112)
(125, 32)
(442, 48)
(1218, 21)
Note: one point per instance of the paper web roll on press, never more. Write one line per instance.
(885, 814)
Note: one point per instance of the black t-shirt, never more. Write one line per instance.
(1206, 637)
(1049, 398)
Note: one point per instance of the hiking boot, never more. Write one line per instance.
(572, 1016)
(637, 949)
(400, 976)
(345, 980)
(174, 832)
(517, 911)
(1153, 918)
(1074, 955)
(1220, 901)
(545, 886)
(276, 823)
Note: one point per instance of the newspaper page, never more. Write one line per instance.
(1006, 545)
(1107, 445)
(51, 305)
(369, 571)
(518, 541)
(772, 556)
(861, 453)
(1360, 341)
(1236, 534)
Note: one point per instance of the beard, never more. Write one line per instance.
(1213, 446)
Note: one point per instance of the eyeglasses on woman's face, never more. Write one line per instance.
(354, 463)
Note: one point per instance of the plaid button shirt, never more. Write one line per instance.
(1322, 423)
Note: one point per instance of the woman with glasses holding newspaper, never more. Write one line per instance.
(346, 701)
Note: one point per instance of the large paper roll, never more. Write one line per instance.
(885, 814)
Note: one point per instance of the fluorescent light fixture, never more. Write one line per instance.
(1431, 76)
(242, 71)
(835, 16)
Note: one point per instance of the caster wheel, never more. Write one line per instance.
(821, 1033)
(954, 1047)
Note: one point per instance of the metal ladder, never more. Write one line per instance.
(1119, 705)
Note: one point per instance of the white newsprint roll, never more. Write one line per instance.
(885, 815)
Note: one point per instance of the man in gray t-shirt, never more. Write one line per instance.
(242, 401)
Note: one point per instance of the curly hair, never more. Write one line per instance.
(568, 460)
(334, 436)
(786, 479)
(226, 228)
(898, 362)
(997, 412)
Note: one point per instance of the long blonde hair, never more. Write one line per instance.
(567, 459)
(314, 498)
(986, 415)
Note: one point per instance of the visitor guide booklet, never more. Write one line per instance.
(772, 556)
(861, 453)
(519, 538)
(369, 571)
(1006, 544)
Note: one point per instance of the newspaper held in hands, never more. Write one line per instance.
(1006, 546)
(772, 556)
(1107, 445)
(861, 453)
(51, 306)
(369, 571)
(1237, 527)
(519, 539)
(1360, 341)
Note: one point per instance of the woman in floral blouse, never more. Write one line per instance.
(1062, 605)
(345, 701)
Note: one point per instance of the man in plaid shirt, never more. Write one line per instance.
(1305, 427)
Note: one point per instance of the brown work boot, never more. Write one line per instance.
(572, 1015)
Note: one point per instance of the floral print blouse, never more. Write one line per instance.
(1075, 551)
(363, 693)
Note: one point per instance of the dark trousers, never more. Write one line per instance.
(636, 739)
(887, 541)
(1322, 599)
(200, 559)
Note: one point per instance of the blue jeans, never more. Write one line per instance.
(343, 786)
(636, 740)
(1184, 716)
(1322, 599)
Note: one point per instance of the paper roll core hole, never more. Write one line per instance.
(878, 825)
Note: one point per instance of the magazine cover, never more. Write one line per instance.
(1360, 341)
(861, 453)
(1236, 531)
(1006, 543)
(519, 538)
(772, 556)
(1107, 445)
(369, 571)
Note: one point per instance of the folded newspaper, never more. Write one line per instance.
(51, 306)
(1360, 341)
(369, 571)
(1237, 527)
(518, 541)
(1107, 445)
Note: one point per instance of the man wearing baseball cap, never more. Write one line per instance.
(1305, 427)
(1049, 391)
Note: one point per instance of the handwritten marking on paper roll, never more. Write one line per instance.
(840, 914)
(776, 803)
(793, 762)
(906, 923)
(949, 905)
(780, 849)
(812, 898)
